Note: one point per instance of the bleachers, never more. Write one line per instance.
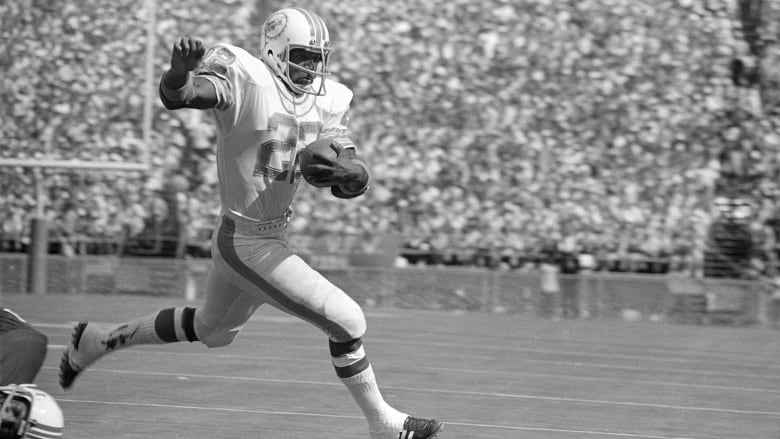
(593, 127)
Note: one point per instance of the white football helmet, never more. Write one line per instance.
(28, 412)
(295, 28)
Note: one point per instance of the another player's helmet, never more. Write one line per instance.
(295, 28)
(28, 412)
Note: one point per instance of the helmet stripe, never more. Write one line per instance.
(46, 429)
(49, 433)
(315, 33)
(325, 33)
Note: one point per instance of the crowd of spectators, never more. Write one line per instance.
(500, 127)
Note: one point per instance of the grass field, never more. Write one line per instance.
(488, 376)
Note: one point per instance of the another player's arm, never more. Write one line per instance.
(179, 87)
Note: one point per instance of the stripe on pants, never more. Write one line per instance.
(225, 237)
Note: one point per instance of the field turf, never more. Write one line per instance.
(486, 375)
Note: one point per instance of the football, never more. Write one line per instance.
(320, 147)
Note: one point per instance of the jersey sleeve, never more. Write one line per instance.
(335, 110)
(335, 114)
(218, 66)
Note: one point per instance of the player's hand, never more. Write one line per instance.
(326, 171)
(186, 55)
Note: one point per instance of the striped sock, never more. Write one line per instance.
(166, 326)
(354, 370)
(176, 324)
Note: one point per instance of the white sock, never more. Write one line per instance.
(165, 326)
(134, 332)
(382, 418)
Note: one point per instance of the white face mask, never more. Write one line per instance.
(305, 66)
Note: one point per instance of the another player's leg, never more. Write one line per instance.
(216, 323)
(22, 351)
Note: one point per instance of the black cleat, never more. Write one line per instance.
(418, 428)
(67, 372)
(68, 369)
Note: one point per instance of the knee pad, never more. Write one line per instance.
(341, 348)
(348, 358)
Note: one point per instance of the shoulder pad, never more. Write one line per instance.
(218, 59)
(222, 57)
(337, 97)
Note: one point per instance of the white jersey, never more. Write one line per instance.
(261, 128)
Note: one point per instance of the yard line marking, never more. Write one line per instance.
(710, 357)
(54, 325)
(212, 355)
(614, 403)
(504, 372)
(220, 409)
(613, 380)
(326, 415)
(673, 357)
(449, 392)
(561, 430)
(736, 364)
(769, 364)
(667, 350)
(642, 369)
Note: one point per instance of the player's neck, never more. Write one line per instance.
(294, 95)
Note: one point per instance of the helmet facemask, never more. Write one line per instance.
(302, 63)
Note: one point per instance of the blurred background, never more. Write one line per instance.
(592, 150)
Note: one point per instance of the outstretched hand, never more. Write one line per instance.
(185, 57)
(187, 53)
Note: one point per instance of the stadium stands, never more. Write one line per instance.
(496, 132)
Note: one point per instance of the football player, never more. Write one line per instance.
(267, 108)
(22, 349)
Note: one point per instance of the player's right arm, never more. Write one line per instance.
(179, 86)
